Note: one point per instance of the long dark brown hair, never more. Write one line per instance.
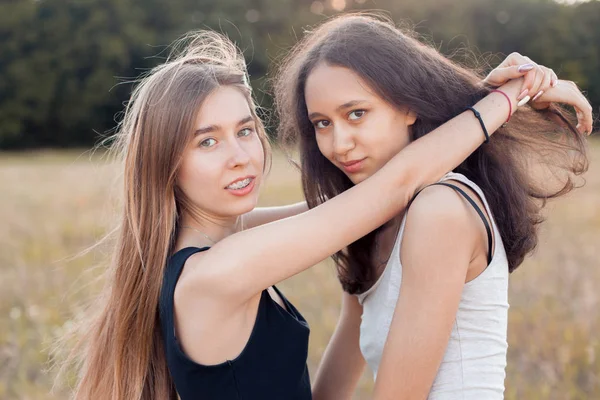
(513, 170)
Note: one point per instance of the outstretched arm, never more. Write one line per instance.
(264, 215)
(244, 264)
(538, 80)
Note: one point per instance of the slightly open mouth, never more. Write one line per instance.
(240, 184)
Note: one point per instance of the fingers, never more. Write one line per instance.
(538, 81)
(533, 80)
(584, 117)
(583, 109)
(512, 67)
(584, 120)
(501, 75)
(515, 58)
(554, 79)
(546, 82)
(567, 92)
(538, 77)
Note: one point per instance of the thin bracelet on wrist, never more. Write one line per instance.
(509, 103)
(478, 116)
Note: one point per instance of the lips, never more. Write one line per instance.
(240, 182)
(350, 163)
(353, 166)
(241, 186)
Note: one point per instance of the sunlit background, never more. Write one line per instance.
(64, 73)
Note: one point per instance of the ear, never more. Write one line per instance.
(411, 117)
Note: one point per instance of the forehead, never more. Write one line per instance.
(225, 106)
(333, 85)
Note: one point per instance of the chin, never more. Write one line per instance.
(242, 207)
(358, 178)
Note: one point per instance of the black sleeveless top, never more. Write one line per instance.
(272, 365)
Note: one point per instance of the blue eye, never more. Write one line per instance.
(209, 142)
(357, 114)
(245, 132)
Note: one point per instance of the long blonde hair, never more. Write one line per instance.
(120, 352)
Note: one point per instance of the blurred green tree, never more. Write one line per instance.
(66, 66)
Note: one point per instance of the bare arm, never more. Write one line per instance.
(342, 363)
(243, 264)
(432, 283)
(263, 215)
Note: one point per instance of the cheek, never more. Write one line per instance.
(324, 144)
(257, 153)
(197, 176)
(385, 138)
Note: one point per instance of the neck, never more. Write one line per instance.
(199, 229)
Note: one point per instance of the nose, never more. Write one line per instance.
(343, 141)
(238, 156)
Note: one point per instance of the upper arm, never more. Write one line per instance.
(437, 246)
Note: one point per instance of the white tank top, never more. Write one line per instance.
(474, 363)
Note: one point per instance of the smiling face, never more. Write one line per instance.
(355, 128)
(223, 164)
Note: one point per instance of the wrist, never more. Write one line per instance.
(512, 89)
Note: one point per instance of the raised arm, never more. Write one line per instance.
(264, 215)
(247, 262)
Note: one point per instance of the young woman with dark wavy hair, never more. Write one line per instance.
(425, 294)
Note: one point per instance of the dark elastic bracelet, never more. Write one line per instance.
(478, 116)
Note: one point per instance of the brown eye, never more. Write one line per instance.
(356, 114)
(322, 124)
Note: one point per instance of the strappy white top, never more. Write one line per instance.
(474, 363)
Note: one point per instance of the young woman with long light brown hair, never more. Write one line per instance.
(189, 307)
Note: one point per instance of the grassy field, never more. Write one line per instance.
(53, 205)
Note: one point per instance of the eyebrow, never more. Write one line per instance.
(211, 128)
(344, 106)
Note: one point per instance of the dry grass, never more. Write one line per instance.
(53, 205)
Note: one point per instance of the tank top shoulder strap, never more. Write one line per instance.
(171, 275)
(479, 212)
(454, 176)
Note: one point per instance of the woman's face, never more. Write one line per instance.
(223, 164)
(355, 129)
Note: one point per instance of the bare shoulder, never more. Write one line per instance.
(200, 280)
(440, 217)
(439, 205)
(210, 327)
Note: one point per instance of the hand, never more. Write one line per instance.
(538, 78)
(567, 92)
